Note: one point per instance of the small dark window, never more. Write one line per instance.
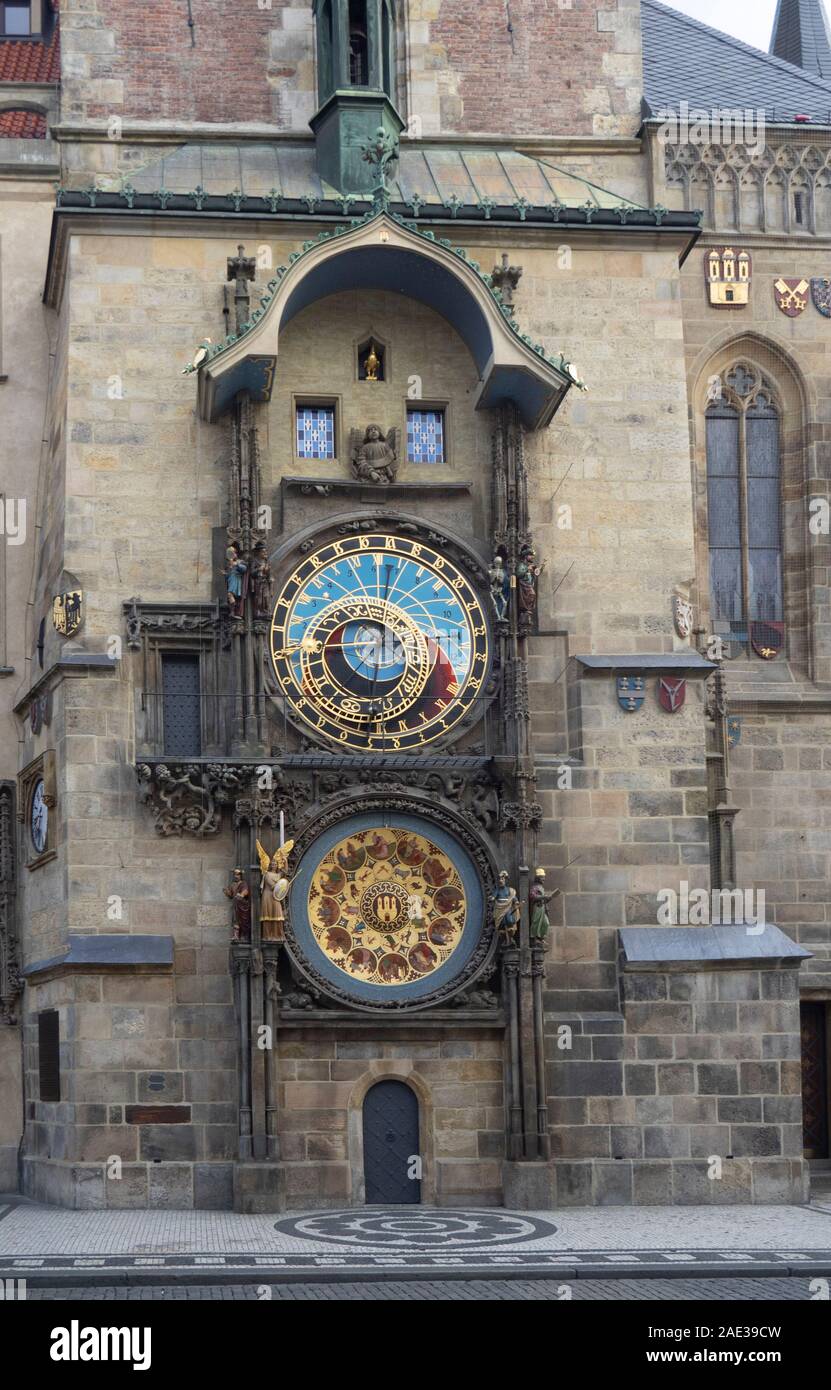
(49, 1054)
(15, 19)
(181, 706)
(41, 641)
(799, 207)
(358, 44)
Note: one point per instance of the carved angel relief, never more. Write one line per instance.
(374, 455)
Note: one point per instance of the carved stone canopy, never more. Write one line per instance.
(384, 252)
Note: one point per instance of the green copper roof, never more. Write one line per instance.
(432, 177)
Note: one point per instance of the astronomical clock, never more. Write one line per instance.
(379, 643)
(381, 647)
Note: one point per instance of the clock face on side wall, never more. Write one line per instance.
(38, 818)
(380, 643)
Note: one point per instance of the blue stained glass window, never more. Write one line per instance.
(425, 436)
(315, 432)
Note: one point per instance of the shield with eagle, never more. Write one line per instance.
(821, 294)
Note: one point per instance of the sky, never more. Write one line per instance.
(749, 20)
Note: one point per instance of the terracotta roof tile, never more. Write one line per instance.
(22, 125)
(31, 62)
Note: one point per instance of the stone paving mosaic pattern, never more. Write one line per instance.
(402, 1229)
(42, 1239)
(457, 1290)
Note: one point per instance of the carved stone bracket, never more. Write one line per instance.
(166, 619)
(188, 797)
(518, 815)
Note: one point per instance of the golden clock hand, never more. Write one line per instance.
(306, 644)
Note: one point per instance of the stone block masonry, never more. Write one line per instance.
(690, 1094)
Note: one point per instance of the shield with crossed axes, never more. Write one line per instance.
(791, 296)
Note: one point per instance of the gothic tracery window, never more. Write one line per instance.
(744, 508)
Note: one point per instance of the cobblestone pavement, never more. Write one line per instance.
(47, 1241)
(459, 1291)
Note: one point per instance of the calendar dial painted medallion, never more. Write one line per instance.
(378, 642)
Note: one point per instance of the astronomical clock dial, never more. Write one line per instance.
(387, 907)
(39, 818)
(379, 642)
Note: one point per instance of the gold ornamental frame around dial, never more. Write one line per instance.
(410, 716)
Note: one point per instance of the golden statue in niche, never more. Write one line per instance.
(373, 362)
(378, 915)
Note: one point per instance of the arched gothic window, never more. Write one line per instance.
(744, 511)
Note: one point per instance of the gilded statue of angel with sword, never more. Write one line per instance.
(274, 886)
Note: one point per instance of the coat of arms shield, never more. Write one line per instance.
(734, 730)
(791, 296)
(68, 612)
(821, 294)
(40, 711)
(671, 693)
(631, 692)
(768, 639)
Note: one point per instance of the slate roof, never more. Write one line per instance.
(801, 36)
(686, 61)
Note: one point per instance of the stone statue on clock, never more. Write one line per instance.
(374, 455)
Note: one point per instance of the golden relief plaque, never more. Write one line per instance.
(386, 906)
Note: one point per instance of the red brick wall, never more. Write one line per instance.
(571, 70)
(539, 85)
(225, 76)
